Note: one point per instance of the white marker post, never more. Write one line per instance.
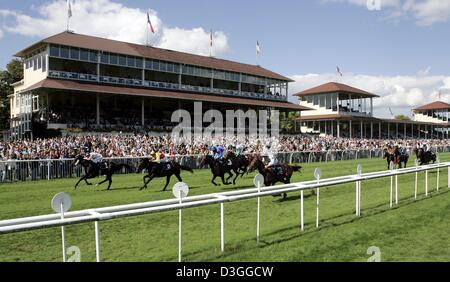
(438, 176)
(426, 183)
(317, 175)
(258, 181)
(358, 191)
(416, 187)
(180, 191)
(302, 220)
(391, 168)
(61, 203)
(222, 228)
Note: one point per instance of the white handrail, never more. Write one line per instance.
(107, 213)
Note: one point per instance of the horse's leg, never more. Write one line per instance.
(106, 179)
(230, 175)
(150, 178)
(237, 175)
(167, 182)
(213, 182)
(86, 180)
(179, 177)
(223, 180)
(110, 181)
(81, 179)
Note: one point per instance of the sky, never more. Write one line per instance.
(398, 49)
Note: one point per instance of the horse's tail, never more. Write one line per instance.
(296, 168)
(186, 168)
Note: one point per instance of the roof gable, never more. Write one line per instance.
(334, 87)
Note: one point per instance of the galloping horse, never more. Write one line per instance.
(239, 163)
(274, 174)
(394, 155)
(219, 169)
(425, 157)
(92, 170)
(158, 170)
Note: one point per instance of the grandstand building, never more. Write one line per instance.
(79, 81)
(340, 110)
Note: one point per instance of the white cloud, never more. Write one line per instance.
(401, 93)
(1, 34)
(424, 12)
(106, 18)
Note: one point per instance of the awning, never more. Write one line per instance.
(59, 84)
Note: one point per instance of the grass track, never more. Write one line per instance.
(414, 231)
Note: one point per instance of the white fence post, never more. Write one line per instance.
(302, 222)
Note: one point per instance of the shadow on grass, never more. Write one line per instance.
(339, 220)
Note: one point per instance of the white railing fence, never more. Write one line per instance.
(108, 213)
(30, 170)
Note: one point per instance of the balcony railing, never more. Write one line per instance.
(161, 85)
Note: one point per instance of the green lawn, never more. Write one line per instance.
(413, 231)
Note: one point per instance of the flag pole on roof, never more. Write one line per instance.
(210, 42)
(258, 52)
(69, 13)
(150, 28)
(338, 70)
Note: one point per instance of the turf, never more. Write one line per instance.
(415, 230)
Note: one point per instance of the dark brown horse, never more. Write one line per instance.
(219, 169)
(93, 170)
(425, 158)
(239, 163)
(274, 174)
(394, 155)
(158, 170)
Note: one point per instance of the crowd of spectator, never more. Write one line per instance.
(140, 145)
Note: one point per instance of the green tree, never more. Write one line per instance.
(12, 74)
(402, 117)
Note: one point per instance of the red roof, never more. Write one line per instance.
(114, 46)
(60, 84)
(438, 105)
(332, 87)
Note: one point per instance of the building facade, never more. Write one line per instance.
(340, 110)
(74, 80)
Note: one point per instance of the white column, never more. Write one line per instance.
(362, 130)
(350, 129)
(98, 109)
(338, 129)
(371, 130)
(143, 111)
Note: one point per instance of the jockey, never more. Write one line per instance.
(165, 160)
(239, 149)
(219, 153)
(96, 158)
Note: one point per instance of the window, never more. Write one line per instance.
(170, 67)
(35, 65)
(93, 56)
(139, 63)
(131, 62)
(39, 62)
(64, 52)
(74, 53)
(113, 59)
(148, 64)
(105, 58)
(84, 55)
(54, 51)
(176, 68)
(162, 66)
(122, 60)
(44, 63)
(155, 65)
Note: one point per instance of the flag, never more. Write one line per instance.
(211, 38)
(258, 48)
(69, 9)
(390, 110)
(339, 71)
(150, 23)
